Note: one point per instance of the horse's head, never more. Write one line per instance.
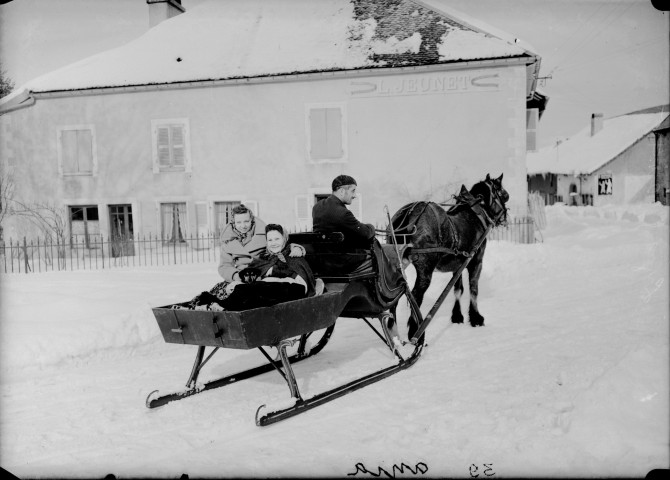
(493, 197)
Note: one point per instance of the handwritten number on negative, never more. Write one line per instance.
(486, 470)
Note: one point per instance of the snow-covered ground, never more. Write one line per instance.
(568, 378)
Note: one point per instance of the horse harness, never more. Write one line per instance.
(474, 205)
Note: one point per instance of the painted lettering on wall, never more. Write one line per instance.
(424, 85)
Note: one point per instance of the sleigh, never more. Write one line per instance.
(302, 326)
(364, 293)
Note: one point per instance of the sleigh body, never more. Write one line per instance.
(363, 294)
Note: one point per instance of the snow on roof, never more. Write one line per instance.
(228, 39)
(583, 153)
(477, 24)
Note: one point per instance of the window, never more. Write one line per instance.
(531, 129)
(605, 184)
(173, 222)
(76, 150)
(326, 133)
(121, 230)
(223, 212)
(170, 143)
(84, 224)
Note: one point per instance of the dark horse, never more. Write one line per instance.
(444, 239)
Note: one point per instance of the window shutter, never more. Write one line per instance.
(303, 212)
(318, 135)
(163, 146)
(177, 145)
(84, 151)
(166, 220)
(69, 148)
(334, 133)
(251, 205)
(531, 129)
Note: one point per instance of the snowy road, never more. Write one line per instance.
(568, 378)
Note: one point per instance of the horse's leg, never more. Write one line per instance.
(456, 314)
(424, 266)
(475, 270)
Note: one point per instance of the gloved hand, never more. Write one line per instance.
(297, 250)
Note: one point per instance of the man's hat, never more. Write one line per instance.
(343, 180)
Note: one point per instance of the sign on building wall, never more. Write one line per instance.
(478, 81)
(605, 184)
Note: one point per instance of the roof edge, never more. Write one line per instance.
(22, 99)
(280, 78)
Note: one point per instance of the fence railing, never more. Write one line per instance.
(95, 252)
(517, 230)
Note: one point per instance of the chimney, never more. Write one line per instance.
(160, 10)
(596, 123)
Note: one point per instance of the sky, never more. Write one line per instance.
(601, 56)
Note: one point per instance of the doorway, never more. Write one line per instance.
(121, 230)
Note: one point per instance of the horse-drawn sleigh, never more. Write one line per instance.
(421, 233)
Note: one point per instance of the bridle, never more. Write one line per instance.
(496, 200)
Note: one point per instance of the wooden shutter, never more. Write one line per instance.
(326, 139)
(69, 149)
(177, 141)
(303, 212)
(318, 137)
(84, 151)
(251, 205)
(166, 220)
(163, 146)
(334, 133)
(531, 129)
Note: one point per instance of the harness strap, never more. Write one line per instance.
(410, 227)
(442, 250)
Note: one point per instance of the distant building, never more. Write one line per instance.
(620, 160)
(265, 102)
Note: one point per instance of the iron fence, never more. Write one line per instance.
(94, 252)
(517, 230)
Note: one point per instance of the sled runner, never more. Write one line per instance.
(363, 294)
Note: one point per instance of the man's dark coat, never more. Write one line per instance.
(331, 215)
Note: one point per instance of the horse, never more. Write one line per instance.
(442, 240)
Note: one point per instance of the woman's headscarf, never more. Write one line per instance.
(285, 249)
(244, 238)
(281, 263)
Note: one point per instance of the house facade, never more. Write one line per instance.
(127, 154)
(611, 162)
